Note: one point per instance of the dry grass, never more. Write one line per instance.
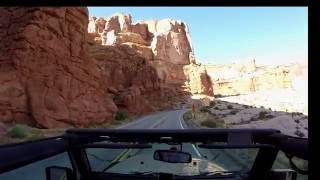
(205, 119)
(24, 132)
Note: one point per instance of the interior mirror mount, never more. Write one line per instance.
(58, 173)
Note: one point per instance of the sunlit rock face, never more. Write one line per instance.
(60, 68)
(165, 45)
(232, 79)
(280, 87)
(169, 40)
(47, 77)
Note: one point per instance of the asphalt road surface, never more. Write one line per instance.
(131, 160)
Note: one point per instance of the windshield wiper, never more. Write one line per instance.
(143, 173)
(222, 174)
(132, 173)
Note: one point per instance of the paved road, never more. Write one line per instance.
(159, 120)
(138, 160)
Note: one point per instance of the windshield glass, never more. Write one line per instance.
(131, 161)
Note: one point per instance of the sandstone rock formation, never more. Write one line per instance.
(53, 73)
(47, 77)
(232, 79)
(165, 45)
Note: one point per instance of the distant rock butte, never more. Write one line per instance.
(243, 78)
(53, 73)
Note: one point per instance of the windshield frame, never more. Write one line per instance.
(79, 138)
(75, 140)
(250, 166)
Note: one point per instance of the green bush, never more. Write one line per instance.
(209, 123)
(204, 110)
(18, 131)
(121, 115)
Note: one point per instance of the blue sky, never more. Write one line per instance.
(271, 35)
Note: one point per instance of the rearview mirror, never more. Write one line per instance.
(58, 173)
(172, 156)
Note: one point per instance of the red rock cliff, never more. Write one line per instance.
(54, 74)
(46, 75)
(165, 45)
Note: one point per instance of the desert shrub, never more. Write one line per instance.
(212, 103)
(230, 107)
(204, 110)
(187, 115)
(218, 95)
(209, 123)
(269, 116)
(18, 131)
(213, 121)
(121, 115)
(216, 108)
(37, 135)
(297, 121)
(296, 114)
(234, 112)
(299, 133)
(262, 115)
(245, 106)
(115, 123)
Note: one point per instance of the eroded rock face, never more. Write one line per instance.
(134, 81)
(165, 45)
(170, 42)
(53, 73)
(199, 81)
(232, 79)
(47, 77)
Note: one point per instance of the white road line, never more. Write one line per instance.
(180, 120)
(137, 121)
(193, 146)
(158, 122)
